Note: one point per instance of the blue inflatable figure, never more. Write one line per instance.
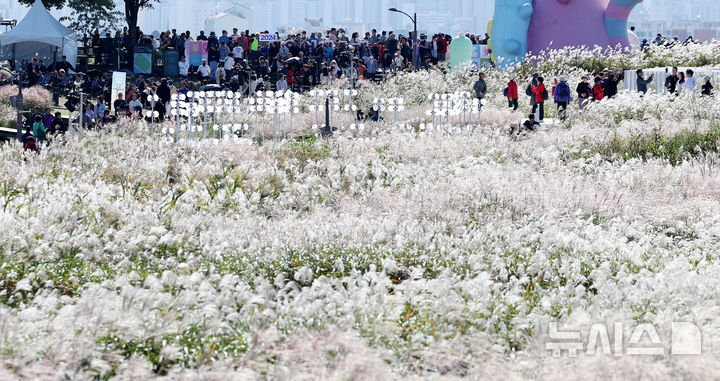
(509, 31)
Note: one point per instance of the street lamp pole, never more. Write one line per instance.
(413, 18)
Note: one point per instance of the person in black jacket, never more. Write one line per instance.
(583, 91)
(611, 84)
(707, 87)
(531, 124)
(672, 80)
(163, 92)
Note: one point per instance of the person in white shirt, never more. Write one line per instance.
(238, 52)
(203, 70)
(281, 84)
(689, 85)
(220, 75)
(135, 106)
(229, 63)
(184, 67)
(398, 62)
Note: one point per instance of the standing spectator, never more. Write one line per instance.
(707, 87)
(642, 83)
(39, 130)
(220, 75)
(597, 91)
(28, 134)
(48, 119)
(680, 83)
(562, 98)
(689, 85)
(386, 63)
(480, 89)
(441, 48)
(541, 95)
(672, 80)
(183, 67)
(229, 63)
(224, 38)
(58, 127)
(529, 90)
(583, 92)
(372, 68)
(238, 52)
(224, 51)
(512, 93)
(163, 92)
(213, 58)
(611, 84)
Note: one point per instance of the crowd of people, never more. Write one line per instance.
(603, 86)
(238, 61)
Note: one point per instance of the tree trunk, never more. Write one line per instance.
(131, 15)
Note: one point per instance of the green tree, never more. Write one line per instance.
(90, 15)
(48, 3)
(132, 9)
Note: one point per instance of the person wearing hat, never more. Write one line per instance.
(480, 88)
(512, 92)
(583, 92)
(562, 97)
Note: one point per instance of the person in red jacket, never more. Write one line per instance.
(512, 93)
(598, 93)
(540, 96)
(441, 47)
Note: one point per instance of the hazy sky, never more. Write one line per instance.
(445, 13)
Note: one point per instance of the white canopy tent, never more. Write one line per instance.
(39, 35)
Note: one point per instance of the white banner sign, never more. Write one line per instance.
(266, 37)
(119, 81)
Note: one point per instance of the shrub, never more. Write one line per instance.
(32, 97)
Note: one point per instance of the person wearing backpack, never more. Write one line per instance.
(39, 129)
(541, 95)
(562, 97)
(529, 92)
(512, 93)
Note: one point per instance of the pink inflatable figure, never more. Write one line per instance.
(557, 24)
